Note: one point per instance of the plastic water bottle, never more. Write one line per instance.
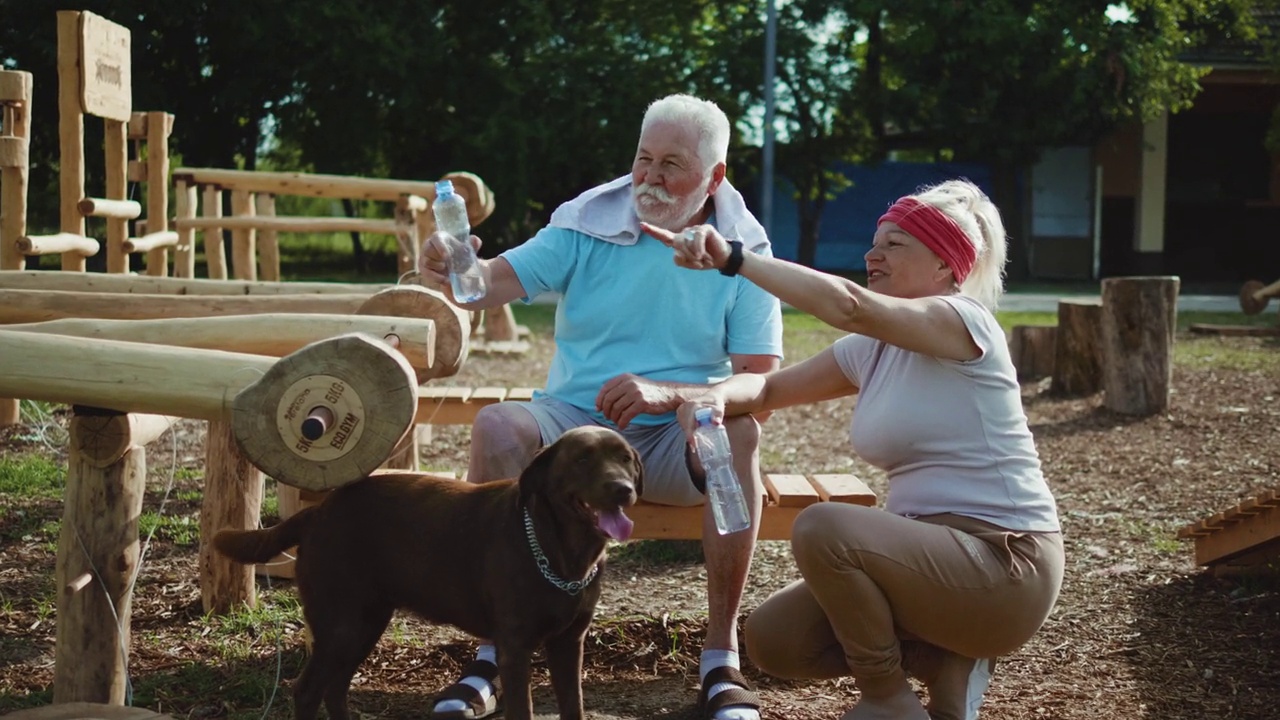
(728, 505)
(465, 274)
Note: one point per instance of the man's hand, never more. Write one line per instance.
(433, 261)
(626, 396)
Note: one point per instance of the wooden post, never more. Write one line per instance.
(1077, 364)
(184, 256)
(15, 99)
(159, 126)
(98, 543)
(268, 240)
(117, 166)
(1139, 318)
(407, 241)
(70, 133)
(215, 251)
(1032, 349)
(405, 456)
(232, 499)
(244, 253)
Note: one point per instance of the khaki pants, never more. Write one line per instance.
(872, 579)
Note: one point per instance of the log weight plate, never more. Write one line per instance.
(1248, 303)
(345, 407)
(369, 388)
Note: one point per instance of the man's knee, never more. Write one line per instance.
(744, 433)
(503, 433)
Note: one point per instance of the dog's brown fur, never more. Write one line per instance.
(455, 553)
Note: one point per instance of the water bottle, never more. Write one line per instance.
(728, 505)
(465, 274)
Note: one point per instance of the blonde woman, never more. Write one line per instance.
(965, 560)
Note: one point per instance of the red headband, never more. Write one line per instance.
(938, 232)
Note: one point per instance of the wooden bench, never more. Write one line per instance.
(785, 494)
(1243, 537)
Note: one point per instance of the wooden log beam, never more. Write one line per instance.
(105, 437)
(104, 282)
(290, 224)
(26, 306)
(307, 184)
(58, 243)
(275, 334)
(125, 376)
(369, 389)
(105, 208)
(1139, 318)
(151, 241)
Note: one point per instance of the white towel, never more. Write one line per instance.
(608, 212)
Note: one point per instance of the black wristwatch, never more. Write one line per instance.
(735, 259)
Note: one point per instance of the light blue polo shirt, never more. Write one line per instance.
(631, 309)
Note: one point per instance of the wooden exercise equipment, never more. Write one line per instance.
(15, 140)
(255, 226)
(1244, 537)
(152, 285)
(379, 393)
(325, 415)
(1254, 296)
(274, 335)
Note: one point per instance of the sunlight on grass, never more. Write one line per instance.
(178, 529)
(31, 476)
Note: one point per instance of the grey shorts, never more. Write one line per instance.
(661, 447)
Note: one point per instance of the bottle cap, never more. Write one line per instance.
(444, 187)
(702, 416)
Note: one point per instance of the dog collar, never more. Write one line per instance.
(573, 587)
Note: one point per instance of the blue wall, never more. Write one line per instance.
(849, 220)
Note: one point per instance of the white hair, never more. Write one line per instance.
(978, 217)
(707, 117)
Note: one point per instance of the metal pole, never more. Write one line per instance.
(766, 165)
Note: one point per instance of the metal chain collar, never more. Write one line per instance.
(572, 587)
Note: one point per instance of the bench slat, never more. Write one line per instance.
(791, 490)
(844, 488)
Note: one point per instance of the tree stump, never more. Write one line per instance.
(1077, 364)
(1032, 350)
(1139, 318)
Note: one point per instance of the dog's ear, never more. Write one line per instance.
(534, 477)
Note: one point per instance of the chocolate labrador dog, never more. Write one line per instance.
(517, 561)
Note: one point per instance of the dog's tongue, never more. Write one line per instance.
(615, 524)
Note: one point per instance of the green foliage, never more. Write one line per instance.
(543, 98)
(31, 477)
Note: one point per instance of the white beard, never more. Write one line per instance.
(654, 205)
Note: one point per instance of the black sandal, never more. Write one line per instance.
(743, 695)
(476, 708)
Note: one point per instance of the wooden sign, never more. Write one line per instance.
(105, 80)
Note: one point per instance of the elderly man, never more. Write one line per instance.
(635, 337)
